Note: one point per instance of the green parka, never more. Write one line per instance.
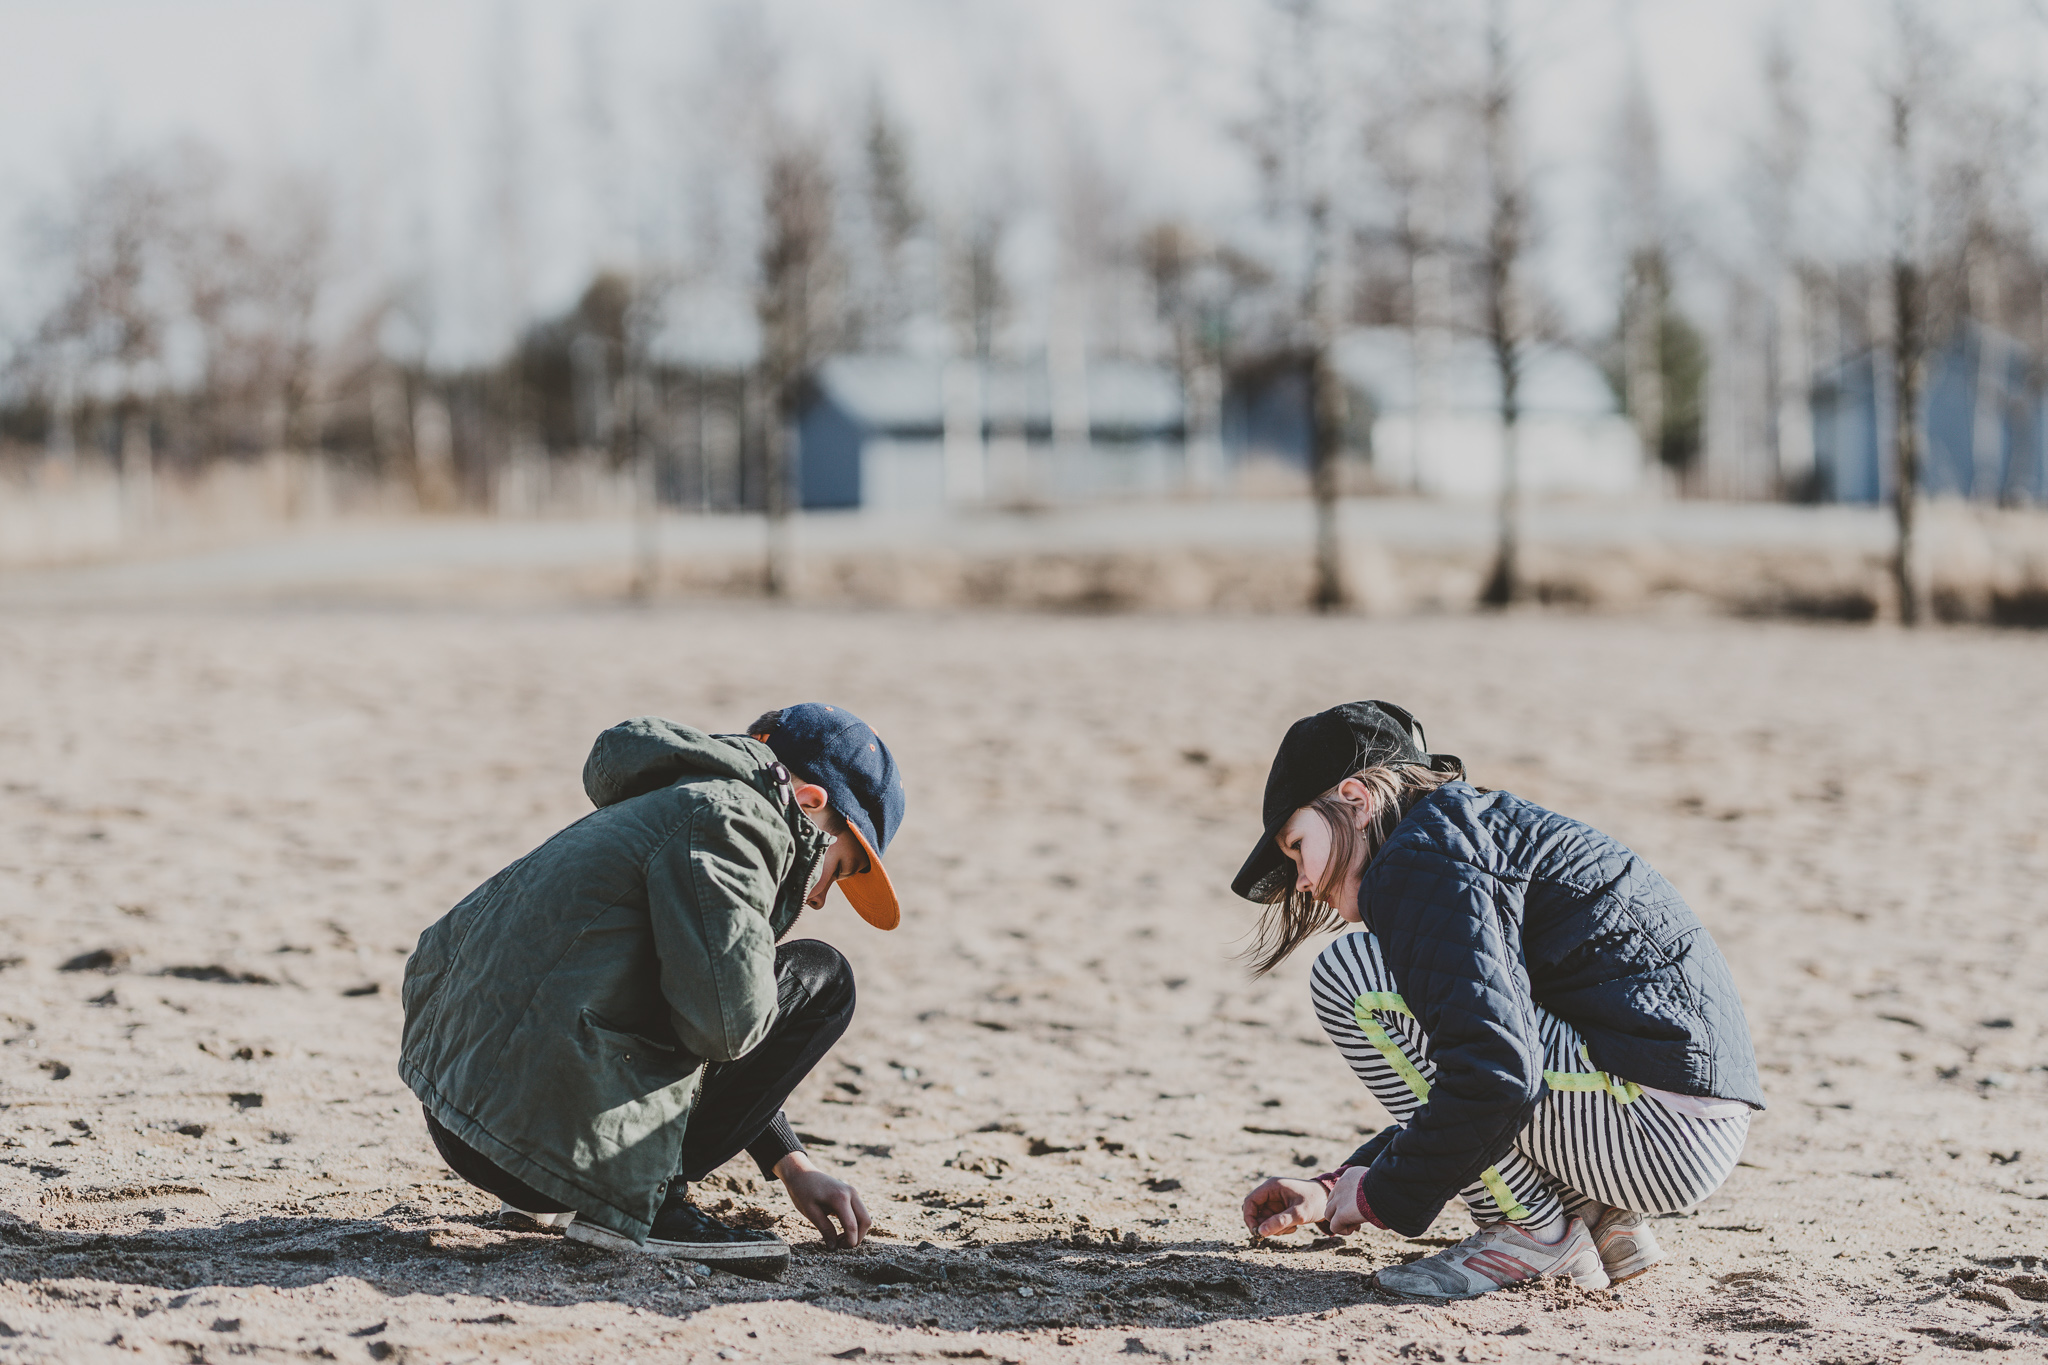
(558, 1018)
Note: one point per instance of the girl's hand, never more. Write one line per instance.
(823, 1199)
(1345, 1217)
(1279, 1206)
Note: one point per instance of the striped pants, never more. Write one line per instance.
(1594, 1136)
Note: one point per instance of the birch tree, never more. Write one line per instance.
(1296, 141)
(1508, 321)
(797, 300)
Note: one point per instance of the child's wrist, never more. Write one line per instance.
(794, 1162)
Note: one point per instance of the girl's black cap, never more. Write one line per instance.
(1319, 752)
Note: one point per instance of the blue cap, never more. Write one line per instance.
(837, 750)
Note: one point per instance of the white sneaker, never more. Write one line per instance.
(1627, 1246)
(521, 1219)
(1498, 1255)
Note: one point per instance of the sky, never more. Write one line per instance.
(402, 107)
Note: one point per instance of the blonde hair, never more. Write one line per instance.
(1292, 916)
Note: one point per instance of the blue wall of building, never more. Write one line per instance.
(828, 456)
(1269, 415)
(1853, 424)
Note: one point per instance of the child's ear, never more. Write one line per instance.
(812, 797)
(1356, 792)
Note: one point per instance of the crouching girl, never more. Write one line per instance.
(1555, 1034)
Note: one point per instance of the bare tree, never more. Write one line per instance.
(980, 296)
(797, 299)
(1909, 351)
(107, 329)
(891, 216)
(1919, 101)
(1779, 171)
(1294, 143)
(251, 282)
(1416, 133)
(1508, 322)
(1194, 289)
(1956, 155)
(1647, 288)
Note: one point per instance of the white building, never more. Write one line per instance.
(1435, 417)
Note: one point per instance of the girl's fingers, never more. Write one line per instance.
(1269, 1210)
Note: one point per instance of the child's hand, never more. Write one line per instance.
(1346, 1212)
(823, 1199)
(1280, 1205)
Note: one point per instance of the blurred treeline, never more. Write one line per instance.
(196, 311)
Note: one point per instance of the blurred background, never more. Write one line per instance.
(1165, 303)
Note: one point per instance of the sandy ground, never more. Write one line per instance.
(221, 830)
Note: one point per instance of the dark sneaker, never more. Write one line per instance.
(1627, 1246)
(685, 1232)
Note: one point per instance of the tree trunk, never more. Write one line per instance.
(778, 568)
(1326, 446)
(137, 469)
(1906, 354)
(1642, 347)
(646, 490)
(1504, 584)
(1505, 322)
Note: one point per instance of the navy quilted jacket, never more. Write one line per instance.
(1486, 905)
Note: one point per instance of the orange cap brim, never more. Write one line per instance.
(871, 893)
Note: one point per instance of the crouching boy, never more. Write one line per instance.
(611, 1017)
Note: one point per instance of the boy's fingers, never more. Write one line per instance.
(819, 1212)
(822, 1224)
(842, 1209)
(860, 1212)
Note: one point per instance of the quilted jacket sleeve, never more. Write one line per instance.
(709, 892)
(1453, 947)
(1369, 1150)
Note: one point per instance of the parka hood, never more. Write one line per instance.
(648, 753)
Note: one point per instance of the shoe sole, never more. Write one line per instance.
(1634, 1267)
(1414, 1296)
(755, 1260)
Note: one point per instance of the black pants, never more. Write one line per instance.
(739, 1103)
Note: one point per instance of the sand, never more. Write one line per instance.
(221, 831)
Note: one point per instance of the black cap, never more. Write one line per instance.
(1319, 752)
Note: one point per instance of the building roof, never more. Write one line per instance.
(907, 394)
(1381, 362)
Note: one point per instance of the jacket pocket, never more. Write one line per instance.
(625, 1042)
